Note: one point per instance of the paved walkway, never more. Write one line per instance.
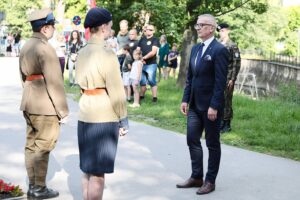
(150, 161)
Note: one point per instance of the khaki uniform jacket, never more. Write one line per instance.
(98, 67)
(44, 96)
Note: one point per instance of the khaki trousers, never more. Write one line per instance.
(42, 133)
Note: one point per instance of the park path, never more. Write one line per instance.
(150, 160)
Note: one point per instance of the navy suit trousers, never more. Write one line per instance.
(196, 123)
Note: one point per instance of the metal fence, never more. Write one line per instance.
(272, 57)
(283, 59)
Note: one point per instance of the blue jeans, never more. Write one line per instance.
(149, 75)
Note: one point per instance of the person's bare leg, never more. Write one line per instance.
(96, 187)
(166, 75)
(128, 92)
(143, 90)
(154, 91)
(85, 183)
(168, 71)
(174, 73)
(159, 74)
(136, 94)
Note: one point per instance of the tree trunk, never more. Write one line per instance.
(187, 44)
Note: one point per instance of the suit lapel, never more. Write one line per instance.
(209, 49)
(207, 52)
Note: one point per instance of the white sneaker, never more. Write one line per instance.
(134, 105)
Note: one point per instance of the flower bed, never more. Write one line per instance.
(7, 190)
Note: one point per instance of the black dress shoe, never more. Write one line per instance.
(226, 127)
(30, 190)
(191, 182)
(206, 188)
(44, 193)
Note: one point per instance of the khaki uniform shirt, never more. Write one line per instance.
(44, 96)
(234, 60)
(98, 67)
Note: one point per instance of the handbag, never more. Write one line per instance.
(73, 57)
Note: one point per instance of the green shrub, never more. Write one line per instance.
(289, 93)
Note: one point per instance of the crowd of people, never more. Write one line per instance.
(155, 54)
(12, 43)
(106, 66)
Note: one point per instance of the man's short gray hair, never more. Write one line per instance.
(210, 17)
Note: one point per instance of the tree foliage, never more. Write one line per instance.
(255, 32)
(75, 7)
(17, 12)
(291, 36)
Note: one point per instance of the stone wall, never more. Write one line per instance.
(269, 75)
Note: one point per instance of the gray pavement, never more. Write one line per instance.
(150, 161)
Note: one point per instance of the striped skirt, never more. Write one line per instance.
(97, 146)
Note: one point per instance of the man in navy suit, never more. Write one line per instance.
(203, 102)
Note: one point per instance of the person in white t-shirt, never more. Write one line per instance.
(135, 77)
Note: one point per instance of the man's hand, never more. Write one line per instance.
(122, 131)
(212, 114)
(184, 108)
(64, 120)
(230, 85)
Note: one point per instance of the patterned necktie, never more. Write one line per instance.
(199, 54)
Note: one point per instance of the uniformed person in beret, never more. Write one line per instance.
(233, 70)
(102, 106)
(44, 103)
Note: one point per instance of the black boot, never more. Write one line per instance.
(226, 127)
(44, 193)
(30, 190)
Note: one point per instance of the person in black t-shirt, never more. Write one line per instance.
(149, 46)
(133, 40)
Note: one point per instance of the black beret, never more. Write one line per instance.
(96, 17)
(222, 25)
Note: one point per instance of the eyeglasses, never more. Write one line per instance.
(199, 26)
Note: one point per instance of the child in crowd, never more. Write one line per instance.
(126, 67)
(135, 77)
(112, 41)
(172, 59)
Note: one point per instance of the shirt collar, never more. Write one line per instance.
(208, 41)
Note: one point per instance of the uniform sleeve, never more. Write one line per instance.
(115, 88)
(53, 79)
(22, 75)
(236, 62)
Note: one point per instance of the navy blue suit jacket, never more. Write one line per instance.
(206, 81)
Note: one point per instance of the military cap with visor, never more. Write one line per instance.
(41, 17)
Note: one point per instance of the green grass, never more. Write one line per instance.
(271, 126)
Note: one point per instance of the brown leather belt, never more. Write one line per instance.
(34, 77)
(96, 91)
